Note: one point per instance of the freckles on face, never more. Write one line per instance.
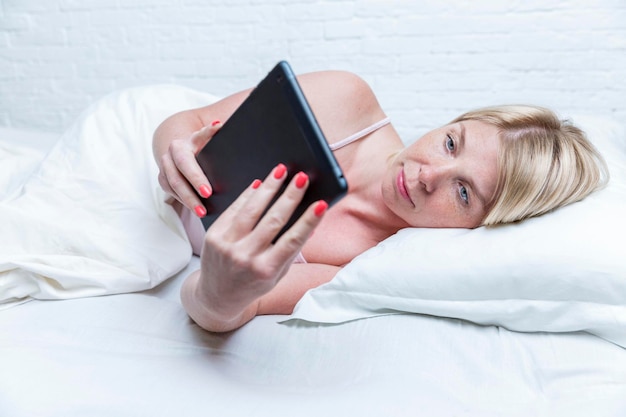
(446, 178)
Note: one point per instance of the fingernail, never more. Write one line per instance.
(301, 179)
(320, 208)
(256, 184)
(215, 123)
(279, 171)
(200, 211)
(205, 191)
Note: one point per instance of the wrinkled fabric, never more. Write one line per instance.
(90, 219)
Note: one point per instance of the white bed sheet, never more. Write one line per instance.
(139, 354)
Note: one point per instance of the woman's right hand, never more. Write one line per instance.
(179, 172)
(240, 261)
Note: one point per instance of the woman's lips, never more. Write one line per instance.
(401, 185)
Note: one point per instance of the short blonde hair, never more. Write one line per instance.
(544, 162)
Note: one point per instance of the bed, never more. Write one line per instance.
(533, 324)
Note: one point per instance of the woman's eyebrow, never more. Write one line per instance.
(469, 180)
(477, 192)
(462, 135)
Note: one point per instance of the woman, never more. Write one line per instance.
(486, 167)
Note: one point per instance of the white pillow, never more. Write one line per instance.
(91, 219)
(564, 271)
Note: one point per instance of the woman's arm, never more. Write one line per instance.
(218, 317)
(184, 124)
(177, 141)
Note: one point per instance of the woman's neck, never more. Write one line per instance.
(375, 215)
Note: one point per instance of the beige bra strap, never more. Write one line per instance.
(360, 134)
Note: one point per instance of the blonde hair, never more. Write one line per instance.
(544, 162)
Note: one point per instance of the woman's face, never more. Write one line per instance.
(446, 178)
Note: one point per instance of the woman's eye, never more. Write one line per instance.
(463, 194)
(450, 143)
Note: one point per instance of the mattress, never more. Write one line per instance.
(139, 354)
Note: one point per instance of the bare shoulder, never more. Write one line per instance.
(337, 85)
(342, 101)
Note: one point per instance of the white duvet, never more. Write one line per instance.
(90, 219)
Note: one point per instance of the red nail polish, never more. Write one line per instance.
(301, 179)
(320, 208)
(205, 191)
(256, 184)
(280, 171)
(200, 211)
(215, 123)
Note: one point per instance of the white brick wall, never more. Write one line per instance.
(427, 60)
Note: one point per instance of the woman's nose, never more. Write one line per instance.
(432, 175)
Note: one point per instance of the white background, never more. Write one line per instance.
(426, 60)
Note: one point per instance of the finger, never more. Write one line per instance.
(277, 216)
(201, 137)
(162, 178)
(245, 212)
(189, 168)
(231, 215)
(186, 164)
(183, 153)
(166, 165)
(181, 189)
(292, 241)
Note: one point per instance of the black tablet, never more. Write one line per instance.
(273, 125)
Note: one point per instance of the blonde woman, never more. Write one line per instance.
(486, 167)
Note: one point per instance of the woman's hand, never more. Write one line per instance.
(239, 262)
(179, 172)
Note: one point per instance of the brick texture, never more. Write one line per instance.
(427, 60)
